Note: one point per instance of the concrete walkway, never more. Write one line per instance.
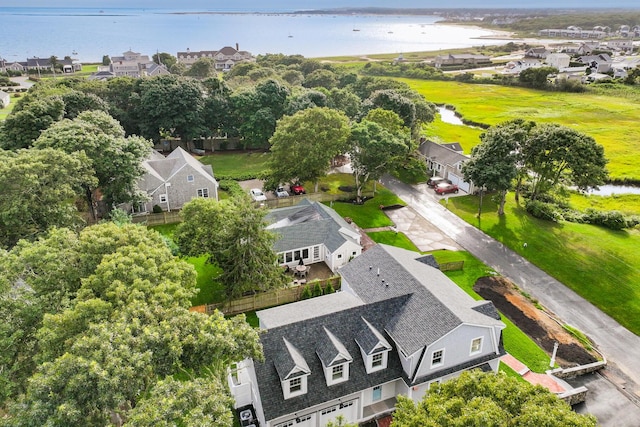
(620, 346)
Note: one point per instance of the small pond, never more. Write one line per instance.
(610, 189)
(449, 116)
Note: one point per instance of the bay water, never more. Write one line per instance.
(88, 34)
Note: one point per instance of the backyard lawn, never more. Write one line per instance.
(610, 119)
(236, 165)
(599, 264)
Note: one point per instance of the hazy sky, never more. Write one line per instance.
(319, 4)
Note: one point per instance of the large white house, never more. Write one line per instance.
(313, 232)
(398, 326)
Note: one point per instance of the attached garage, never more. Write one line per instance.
(347, 409)
(459, 181)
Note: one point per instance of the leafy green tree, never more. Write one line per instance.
(165, 59)
(115, 159)
(557, 154)
(38, 192)
(23, 126)
(345, 101)
(493, 162)
(321, 78)
(232, 233)
(170, 103)
(536, 77)
(306, 99)
(203, 68)
(293, 77)
(374, 151)
(124, 329)
(106, 60)
(486, 399)
(122, 94)
(304, 144)
(75, 102)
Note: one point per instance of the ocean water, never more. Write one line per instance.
(88, 34)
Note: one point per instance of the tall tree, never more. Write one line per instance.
(39, 188)
(304, 144)
(493, 162)
(23, 126)
(374, 151)
(116, 160)
(203, 68)
(486, 399)
(124, 330)
(557, 154)
(173, 104)
(165, 59)
(233, 234)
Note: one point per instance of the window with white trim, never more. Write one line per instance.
(190, 178)
(329, 410)
(377, 359)
(437, 358)
(163, 198)
(295, 385)
(203, 192)
(476, 345)
(337, 372)
(285, 424)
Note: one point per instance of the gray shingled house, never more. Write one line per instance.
(398, 325)
(172, 181)
(314, 233)
(446, 161)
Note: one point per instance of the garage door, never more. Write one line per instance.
(349, 410)
(459, 181)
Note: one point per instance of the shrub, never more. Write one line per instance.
(615, 220)
(306, 293)
(317, 290)
(157, 209)
(329, 289)
(542, 210)
(231, 187)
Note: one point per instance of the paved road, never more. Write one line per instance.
(620, 347)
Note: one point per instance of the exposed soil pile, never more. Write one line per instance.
(532, 321)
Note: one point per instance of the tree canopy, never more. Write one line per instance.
(99, 325)
(486, 399)
(232, 233)
(304, 144)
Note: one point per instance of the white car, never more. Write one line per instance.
(281, 192)
(257, 195)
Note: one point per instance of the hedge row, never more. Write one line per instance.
(614, 220)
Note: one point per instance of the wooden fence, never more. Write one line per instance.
(452, 266)
(281, 202)
(157, 219)
(266, 299)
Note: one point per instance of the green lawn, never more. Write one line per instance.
(599, 264)
(392, 238)
(369, 214)
(610, 119)
(237, 165)
(628, 203)
(516, 342)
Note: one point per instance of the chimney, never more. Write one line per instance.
(237, 46)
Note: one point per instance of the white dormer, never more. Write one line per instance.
(293, 371)
(334, 357)
(374, 348)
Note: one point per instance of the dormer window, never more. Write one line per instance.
(376, 360)
(295, 385)
(335, 358)
(374, 348)
(337, 372)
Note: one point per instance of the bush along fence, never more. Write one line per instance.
(158, 218)
(451, 266)
(273, 298)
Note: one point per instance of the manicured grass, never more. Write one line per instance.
(236, 164)
(516, 342)
(369, 214)
(505, 369)
(441, 132)
(393, 239)
(610, 119)
(599, 264)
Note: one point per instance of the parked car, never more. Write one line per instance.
(435, 180)
(257, 195)
(281, 192)
(298, 189)
(446, 188)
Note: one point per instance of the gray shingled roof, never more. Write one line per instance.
(308, 224)
(369, 338)
(441, 154)
(435, 307)
(329, 347)
(345, 325)
(289, 361)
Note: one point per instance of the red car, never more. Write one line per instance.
(297, 189)
(446, 188)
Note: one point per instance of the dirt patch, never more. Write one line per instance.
(534, 322)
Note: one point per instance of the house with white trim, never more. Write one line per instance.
(313, 232)
(224, 59)
(5, 99)
(398, 326)
(170, 182)
(445, 161)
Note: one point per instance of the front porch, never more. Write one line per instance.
(382, 407)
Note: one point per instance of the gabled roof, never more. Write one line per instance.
(442, 154)
(433, 300)
(331, 350)
(345, 325)
(160, 169)
(370, 339)
(307, 224)
(289, 362)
